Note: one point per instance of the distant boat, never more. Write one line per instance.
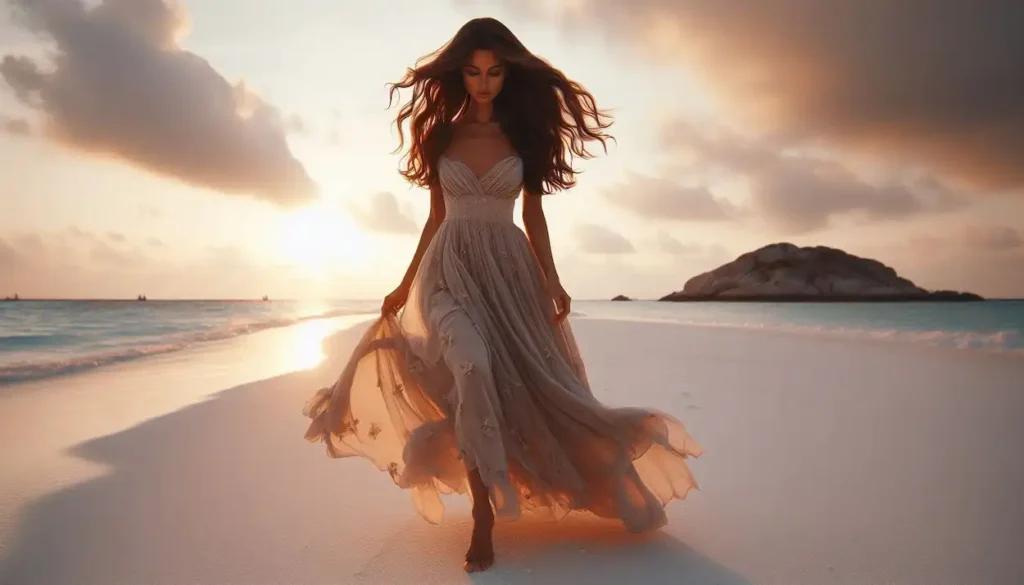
(141, 298)
(266, 298)
(14, 298)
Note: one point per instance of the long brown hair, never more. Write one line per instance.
(542, 112)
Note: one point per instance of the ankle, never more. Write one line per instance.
(483, 515)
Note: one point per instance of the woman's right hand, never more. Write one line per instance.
(396, 300)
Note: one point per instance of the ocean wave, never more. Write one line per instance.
(30, 340)
(1008, 341)
(1003, 342)
(43, 368)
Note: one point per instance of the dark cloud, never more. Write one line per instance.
(937, 83)
(800, 197)
(659, 198)
(384, 215)
(799, 193)
(119, 84)
(595, 239)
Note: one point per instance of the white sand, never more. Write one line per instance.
(826, 462)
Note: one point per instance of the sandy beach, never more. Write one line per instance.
(827, 461)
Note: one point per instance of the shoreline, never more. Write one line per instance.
(852, 337)
(70, 364)
(1007, 343)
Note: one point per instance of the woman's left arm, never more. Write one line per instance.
(537, 231)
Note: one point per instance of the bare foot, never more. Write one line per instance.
(480, 555)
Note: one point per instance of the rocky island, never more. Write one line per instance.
(784, 272)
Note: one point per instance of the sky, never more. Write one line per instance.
(241, 148)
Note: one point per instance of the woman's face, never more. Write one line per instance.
(483, 76)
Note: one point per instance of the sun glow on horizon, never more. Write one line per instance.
(318, 239)
(306, 350)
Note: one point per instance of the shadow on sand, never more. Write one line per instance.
(577, 549)
(226, 491)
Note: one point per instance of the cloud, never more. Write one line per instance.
(984, 258)
(996, 238)
(669, 245)
(74, 263)
(659, 198)
(296, 124)
(665, 243)
(937, 83)
(384, 215)
(119, 84)
(15, 126)
(150, 211)
(800, 197)
(992, 239)
(595, 239)
(799, 193)
(647, 276)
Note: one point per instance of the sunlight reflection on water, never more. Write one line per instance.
(306, 349)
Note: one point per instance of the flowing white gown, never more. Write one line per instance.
(474, 372)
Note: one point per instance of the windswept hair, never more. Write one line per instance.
(543, 113)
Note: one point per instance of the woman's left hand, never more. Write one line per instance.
(561, 298)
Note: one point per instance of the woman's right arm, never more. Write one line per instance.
(394, 301)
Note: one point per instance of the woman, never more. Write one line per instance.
(471, 377)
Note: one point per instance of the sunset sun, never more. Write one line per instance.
(317, 238)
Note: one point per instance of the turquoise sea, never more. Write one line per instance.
(48, 338)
